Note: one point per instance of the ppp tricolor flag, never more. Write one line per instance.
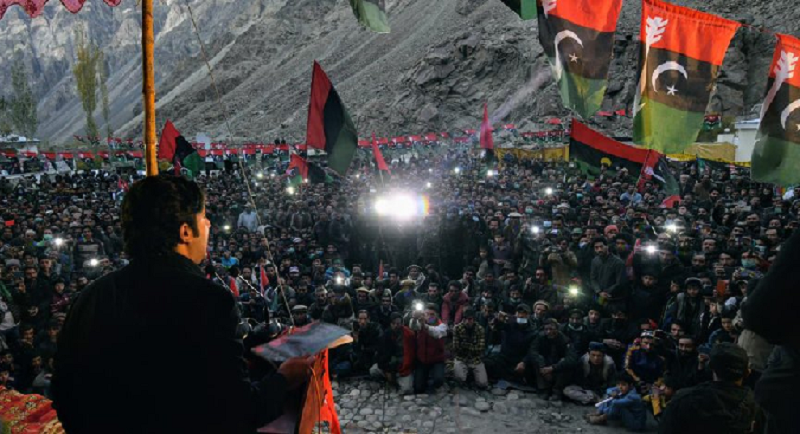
(682, 53)
(593, 150)
(776, 156)
(330, 127)
(578, 39)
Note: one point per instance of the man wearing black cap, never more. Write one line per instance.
(719, 406)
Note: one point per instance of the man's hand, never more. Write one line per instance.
(605, 295)
(297, 370)
(520, 368)
(546, 371)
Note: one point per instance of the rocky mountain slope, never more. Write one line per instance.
(443, 59)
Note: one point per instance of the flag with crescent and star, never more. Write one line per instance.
(682, 53)
(776, 156)
(592, 150)
(578, 39)
(526, 9)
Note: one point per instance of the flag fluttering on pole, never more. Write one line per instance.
(233, 287)
(371, 14)
(297, 170)
(329, 126)
(379, 156)
(682, 53)
(578, 39)
(186, 156)
(593, 150)
(526, 9)
(487, 142)
(166, 144)
(776, 156)
(263, 280)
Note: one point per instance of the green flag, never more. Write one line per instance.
(371, 14)
(526, 9)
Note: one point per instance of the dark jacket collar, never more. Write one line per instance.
(170, 260)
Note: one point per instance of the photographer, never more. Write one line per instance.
(429, 335)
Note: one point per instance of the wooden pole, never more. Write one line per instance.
(149, 89)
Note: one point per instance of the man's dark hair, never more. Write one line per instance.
(154, 210)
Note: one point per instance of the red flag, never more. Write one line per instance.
(166, 144)
(319, 405)
(233, 287)
(380, 271)
(300, 163)
(487, 142)
(378, 155)
(264, 281)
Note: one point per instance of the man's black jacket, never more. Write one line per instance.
(152, 349)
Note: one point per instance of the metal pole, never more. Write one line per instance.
(148, 89)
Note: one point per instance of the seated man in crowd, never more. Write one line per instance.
(594, 374)
(469, 345)
(366, 343)
(549, 362)
(517, 335)
(622, 404)
(395, 359)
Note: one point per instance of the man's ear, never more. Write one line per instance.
(186, 233)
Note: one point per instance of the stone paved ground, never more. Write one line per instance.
(368, 406)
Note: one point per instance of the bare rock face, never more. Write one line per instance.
(441, 62)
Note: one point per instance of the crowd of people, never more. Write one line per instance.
(582, 288)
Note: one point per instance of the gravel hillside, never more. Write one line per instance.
(443, 59)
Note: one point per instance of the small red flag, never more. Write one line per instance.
(380, 271)
(378, 155)
(233, 287)
(264, 280)
(296, 161)
(487, 142)
(166, 144)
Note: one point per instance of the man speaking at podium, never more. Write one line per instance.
(151, 348)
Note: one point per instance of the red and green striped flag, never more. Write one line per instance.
(776, 156)
(371, 14)
(297, 170)
(682, 53)
(578, 39)
(329, 126)
(526, 9)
